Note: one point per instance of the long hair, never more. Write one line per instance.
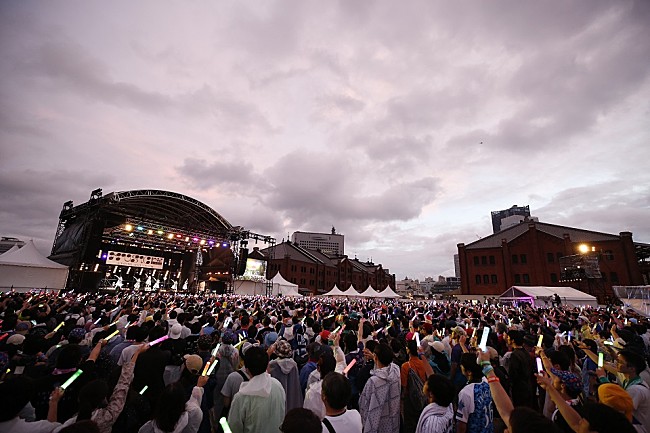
(170, 407)
(91, 396)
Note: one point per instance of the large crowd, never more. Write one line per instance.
(169, 362)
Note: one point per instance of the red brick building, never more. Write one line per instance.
(531, 253)
(318, 272)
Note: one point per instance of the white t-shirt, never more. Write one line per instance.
(348, 422)
(641, 398)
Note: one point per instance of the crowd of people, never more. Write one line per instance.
(169, 362)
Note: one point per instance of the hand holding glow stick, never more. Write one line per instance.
(72, 378)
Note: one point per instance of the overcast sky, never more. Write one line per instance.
(402, 124)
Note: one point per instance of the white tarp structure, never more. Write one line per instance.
(370, 293)
(334, 292)
(543, 296)
(284, 287)
(10, 250)
(352, 292)
(388, 293)
(635, 297)
(25, 269)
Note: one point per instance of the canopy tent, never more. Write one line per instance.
(388, 293)
(284, 287)
(253, 288)
(352, 292)
(635, 297)
(10, 250)
(541, 295)
(370, 293)
(334, 292)
(25, 269)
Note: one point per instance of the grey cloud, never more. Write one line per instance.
(219, 174)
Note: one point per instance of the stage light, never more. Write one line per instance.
(187, 238)
(195, 239)
(128, 227)
(225, 244)
(104, 256)
(160, 232)
(179, 236)
(140, 228)
(211, 242)
(583, 248)
(202, 242)
(149, 232)
(170, 236)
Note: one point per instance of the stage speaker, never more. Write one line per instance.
(241, 264)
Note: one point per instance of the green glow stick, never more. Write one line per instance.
(72, 378)
(212, 366)
(224, 425)
(144, 389)
(112, 335)
(600, 360)
(58, 326)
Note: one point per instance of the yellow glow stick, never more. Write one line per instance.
(205, 369)
(539, 341)
(58, 326)
(112, 335)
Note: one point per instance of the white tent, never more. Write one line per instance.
(10, 250)
(370, 293)
(352, 292)
(334, 292)
(25, 269)
(388, 293)
(541, 296)
(249, 287)
(284, 287)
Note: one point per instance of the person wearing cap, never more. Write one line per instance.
(617, 398)
(259, 406)
(285, 370)
(629, 365)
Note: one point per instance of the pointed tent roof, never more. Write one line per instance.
(10, 250)
(388, 293)
(334, 292)
(280, 280)
(351, 291)
(29, 256)
(370, 293)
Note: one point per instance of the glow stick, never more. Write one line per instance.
(72, 378)
(214, 364)
(98, 320)
(539, 341)
(144, 389)
(484, 337)
(159, 340)
(224, 425)
(112, 335)
(336, 330)
(58, 326)
(600, 359)
(417, 338)
(238, 345)
(474, 333)
(205, 369)
(349, 366)
(216, 349)
(540, 366)
(3, 336)
(609, 343)
(569, 336)
(205, 325)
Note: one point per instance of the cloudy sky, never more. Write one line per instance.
(402, 124)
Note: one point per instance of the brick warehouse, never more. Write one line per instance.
(319, 272)
(529, 254)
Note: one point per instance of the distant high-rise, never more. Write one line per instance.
(499, 215)
(330, 243)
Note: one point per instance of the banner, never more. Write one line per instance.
(135, 260)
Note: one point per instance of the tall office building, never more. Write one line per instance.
(331, 243)
(499, 215)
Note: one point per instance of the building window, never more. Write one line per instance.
(478, 279)
(608, 255)
(526, 278)
(553, 278)
(515, 259)
(517, 278)
(550, 257)
(613, 276)
(476, 261)
(523, 259)
(492, 260)
(483, 260)
(486, 279)
(494, 279)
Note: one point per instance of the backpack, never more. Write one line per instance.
(415, 393)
